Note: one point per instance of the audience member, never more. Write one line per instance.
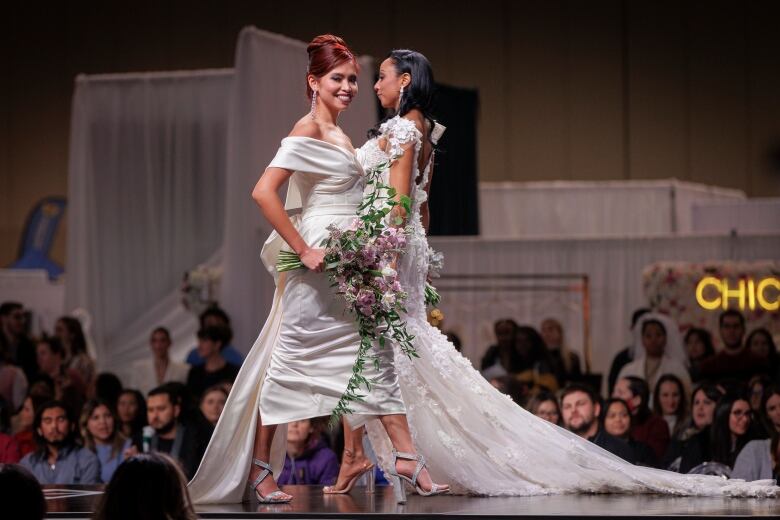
(693, 446)
(71, 335)
(98, 426)
(504, 353)
(212, 403)
(108, 387)
(216, 317)
(215, 369)
(698, 346)
(645, 426)
(146, 486)
(734, 360)
(186, 443)
(580, 410)
(762, 347)
(131, 412)
(69, 387)
(9, 449)
(453, 338)
(20, 494)
(14, 341)
(625, 356)
(58, 459)
(756, 386)
(730, 429)
(760, 459)
(13, 382)
(545, 405)
(671, 403)
(616, 421)
(153, 371)
(309, 460)
(23, 430)
(565, 363)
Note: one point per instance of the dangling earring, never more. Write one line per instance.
(313, 104)
(400, 99)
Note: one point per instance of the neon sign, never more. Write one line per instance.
(714, 293)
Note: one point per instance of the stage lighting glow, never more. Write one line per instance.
(715, 293)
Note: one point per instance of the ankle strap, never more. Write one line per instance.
(404, 455)
(267, 470)
(411, 456)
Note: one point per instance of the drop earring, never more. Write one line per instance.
(312, 113)
(400, 98)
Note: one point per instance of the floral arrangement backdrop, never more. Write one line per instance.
(670, 288)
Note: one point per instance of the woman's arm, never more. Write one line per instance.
(266, 196)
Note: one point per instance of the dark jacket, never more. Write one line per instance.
(614, 445)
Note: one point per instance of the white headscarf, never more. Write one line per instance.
(674, 343)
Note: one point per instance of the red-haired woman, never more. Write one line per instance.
(300, 365)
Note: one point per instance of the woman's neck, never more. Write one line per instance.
(214, 362)
(295, 448)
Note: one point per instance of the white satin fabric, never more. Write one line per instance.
(300, 364)
(477, 439)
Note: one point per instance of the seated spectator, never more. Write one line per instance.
(762, 347)
(9, 449)
(760, 459)
(545, 405)
(108, 387)
(23, 428)
(69, 387)
(68, 330)
(730, 430)
(565, 363)
(13, 382)
(58, 459)
(14, 339)
(616, 421)
(504, 353)
(153, 371)
(645, 427)
(536, 373)
(99, 430)
(212, 403)
(149, 485)
(693, 446)
(309, 460)
(670, 403)
(131, 412)
(185, 443)
(453, 338)
(216, 317)
(625, 356)
(580, 410)
(215, 370)
(698, 346)
(756, 386)
(734, 360)
(20, 494)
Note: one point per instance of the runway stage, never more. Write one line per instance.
(310, 503)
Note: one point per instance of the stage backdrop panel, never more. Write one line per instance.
(760, 215)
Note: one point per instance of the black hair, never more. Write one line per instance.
(419, 93)
(174, 396)
(41, 443)
(580, 387)
(654, 322)
(5, 416)
(639, 387)
(7, 308)
(215, 311)
(216, 334)
(167, 332)
(108, 387)
(769, 391)
(609, 402)
(140, 419)
(682, 408)
(78, 343)
(704, 336)
(731, 312)
(638, 314)
(20, 493)
(720, 433)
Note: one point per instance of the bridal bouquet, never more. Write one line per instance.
(359, 262)
(200, 287)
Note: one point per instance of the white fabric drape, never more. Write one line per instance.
(269, 97)
(600, 208)
(146, 201)
(613, 265)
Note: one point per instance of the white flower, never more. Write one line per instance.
(389, 272)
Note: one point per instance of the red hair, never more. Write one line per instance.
(326, 52)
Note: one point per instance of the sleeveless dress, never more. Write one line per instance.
(300, 364)
(476, 438)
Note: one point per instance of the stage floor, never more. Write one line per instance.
(310, 502)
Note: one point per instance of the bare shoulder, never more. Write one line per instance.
(418, 119)
(306, 127)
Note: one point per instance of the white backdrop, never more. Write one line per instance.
(614, 266)
(146, 199)
(760, 215)
(269, 97)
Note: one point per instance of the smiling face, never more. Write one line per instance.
(669, 397)
(337, 88)
(548, 411)
(388, 86)
(617, 421)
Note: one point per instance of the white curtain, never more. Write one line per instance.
(591, 209)
(749, 216)
(146, 201)
(269, 97)
(613, 265)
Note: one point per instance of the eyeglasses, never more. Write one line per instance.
(739, 414)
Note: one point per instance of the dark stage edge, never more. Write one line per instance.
(310, 503)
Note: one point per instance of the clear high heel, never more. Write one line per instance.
(275, 497)
(367, 470)
(398, 480)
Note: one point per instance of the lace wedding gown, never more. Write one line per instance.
(476, 438)
(300, 364)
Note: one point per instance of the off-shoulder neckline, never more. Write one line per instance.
(340, 148)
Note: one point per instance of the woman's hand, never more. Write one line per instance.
(314, 258)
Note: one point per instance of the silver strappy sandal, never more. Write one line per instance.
(275, 497)
(398, 480)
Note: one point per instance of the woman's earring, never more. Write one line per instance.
(400, 98)
(313, 104)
